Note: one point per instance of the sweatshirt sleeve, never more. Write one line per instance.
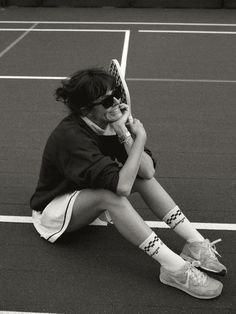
(122, 155)
(86, 167)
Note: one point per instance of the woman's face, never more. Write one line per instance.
(102, 116)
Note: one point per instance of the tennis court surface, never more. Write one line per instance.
(180, 69)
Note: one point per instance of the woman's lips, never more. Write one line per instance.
(115, 110)
(114, 113)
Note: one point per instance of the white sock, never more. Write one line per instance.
(176, 220)
(154, 247)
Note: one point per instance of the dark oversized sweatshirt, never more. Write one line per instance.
(74, 158)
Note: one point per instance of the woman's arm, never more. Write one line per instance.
(146, 169)
(135, 150)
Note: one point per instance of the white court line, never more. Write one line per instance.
(63, 30)
(20, 77)
(125, 52)
(186, 32)
(123, 58)
(179, 80)
(15, 42)
(113, 31)
(152, 224)
(119, 23)
(197, 225)
(16, 219)
(13, 312)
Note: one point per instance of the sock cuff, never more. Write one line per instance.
(151, 245)
(152, 237)
(174, 217)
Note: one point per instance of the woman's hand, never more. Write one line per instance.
(120, 125)
(125, 115)
(137, 129)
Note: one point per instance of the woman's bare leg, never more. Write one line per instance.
(162, 205)
(157, 199)
(89, 204)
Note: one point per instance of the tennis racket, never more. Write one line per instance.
(116, 71)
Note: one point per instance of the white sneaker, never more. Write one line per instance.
(192, 281)
(204, 252)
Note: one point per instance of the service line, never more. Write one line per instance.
(186, 32)
(120, 23)
(13, 312)
(63, 30)
(179, 80)
(28, 77)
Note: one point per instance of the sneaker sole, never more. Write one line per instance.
(190, 259)
(188, 292)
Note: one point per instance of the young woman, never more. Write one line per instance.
(93, 160)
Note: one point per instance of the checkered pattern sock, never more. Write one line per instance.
(154, 247)
(176, 220)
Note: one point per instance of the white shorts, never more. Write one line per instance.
(55, 218)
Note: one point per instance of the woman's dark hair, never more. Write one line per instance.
(83, 87)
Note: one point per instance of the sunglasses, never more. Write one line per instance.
(108, 100)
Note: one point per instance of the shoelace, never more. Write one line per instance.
(196, 275)
(212, 248)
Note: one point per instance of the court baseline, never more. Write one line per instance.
(152, 224)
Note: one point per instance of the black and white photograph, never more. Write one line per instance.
(118, 156)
